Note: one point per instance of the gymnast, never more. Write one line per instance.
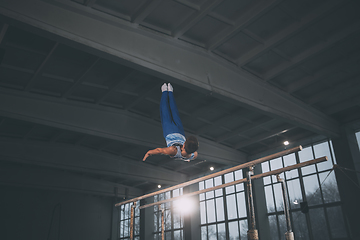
(178, 146)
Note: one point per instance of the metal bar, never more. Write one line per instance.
(288, 168)
(232, 169)
(252, 232)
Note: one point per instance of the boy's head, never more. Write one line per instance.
(191, 144)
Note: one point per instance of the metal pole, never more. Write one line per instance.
(289, 235)
(132, 221)
(252, 232)
(162, 222)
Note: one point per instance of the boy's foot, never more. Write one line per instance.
(169, 87)
(164, 87)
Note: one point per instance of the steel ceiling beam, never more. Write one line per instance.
(112, 124)
(290, 31)
(162, 57)
(83, 160)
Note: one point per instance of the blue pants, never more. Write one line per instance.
(169, 114)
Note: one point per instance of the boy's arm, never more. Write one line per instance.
(195, 156)
(171, 151)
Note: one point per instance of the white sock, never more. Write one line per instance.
(170, 88)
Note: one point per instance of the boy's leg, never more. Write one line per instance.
(165, 114)
(175, 113)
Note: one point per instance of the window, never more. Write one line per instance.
(358, 138)
(172, 217)
(223, 211)
(125, 217)
(315, 184)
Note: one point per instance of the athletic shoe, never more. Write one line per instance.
(169, 87)
(164, 87)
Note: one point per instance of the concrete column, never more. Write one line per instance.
(192, 222)
(262, 223)
(348, 156)
(147, 220)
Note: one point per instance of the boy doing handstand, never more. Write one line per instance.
(178, 146)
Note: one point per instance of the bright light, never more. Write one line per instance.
(159, 186)
(211, 168)
(295, 202)
(286, 143)
(184, 205)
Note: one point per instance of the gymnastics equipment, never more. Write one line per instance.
(252, 232)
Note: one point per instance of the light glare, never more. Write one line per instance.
(159, 186)
(184, 205)
(211, 168)
(286, 143)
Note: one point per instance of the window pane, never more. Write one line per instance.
(137, 226)
(329, 187)
(156, 236)
(177, 235)
(276, 164)
(176, 192)
(167, 219)
(336, 220)
(332, 151)
(318, 224)
(202, 197)
(210, 210)
(241, 204)
(218, 182)
(126, 211)
(167, 235)
(300, 226)
(313, 195)
(269, 199)
(126, 228)
(265, 168)
(278, 197)
(294, 191)
(240, 187)
(243, 229)
(201, 185)
(290, 160)
(156, 222)
(220, 209)
(121, 228)
(231, 207)
(282, 226)
(168, 204)
(203, 233)
(202, 212)
(306, 155)
(321, 150)
(208, 184)
(229, 178)
(177, 220)
(212, 232)
(238, 175)
(233, 230)
(273, 228)
(221, 231)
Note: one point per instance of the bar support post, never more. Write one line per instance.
(162, 222)
(252, 232)
(289, 235)
(132, 221)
